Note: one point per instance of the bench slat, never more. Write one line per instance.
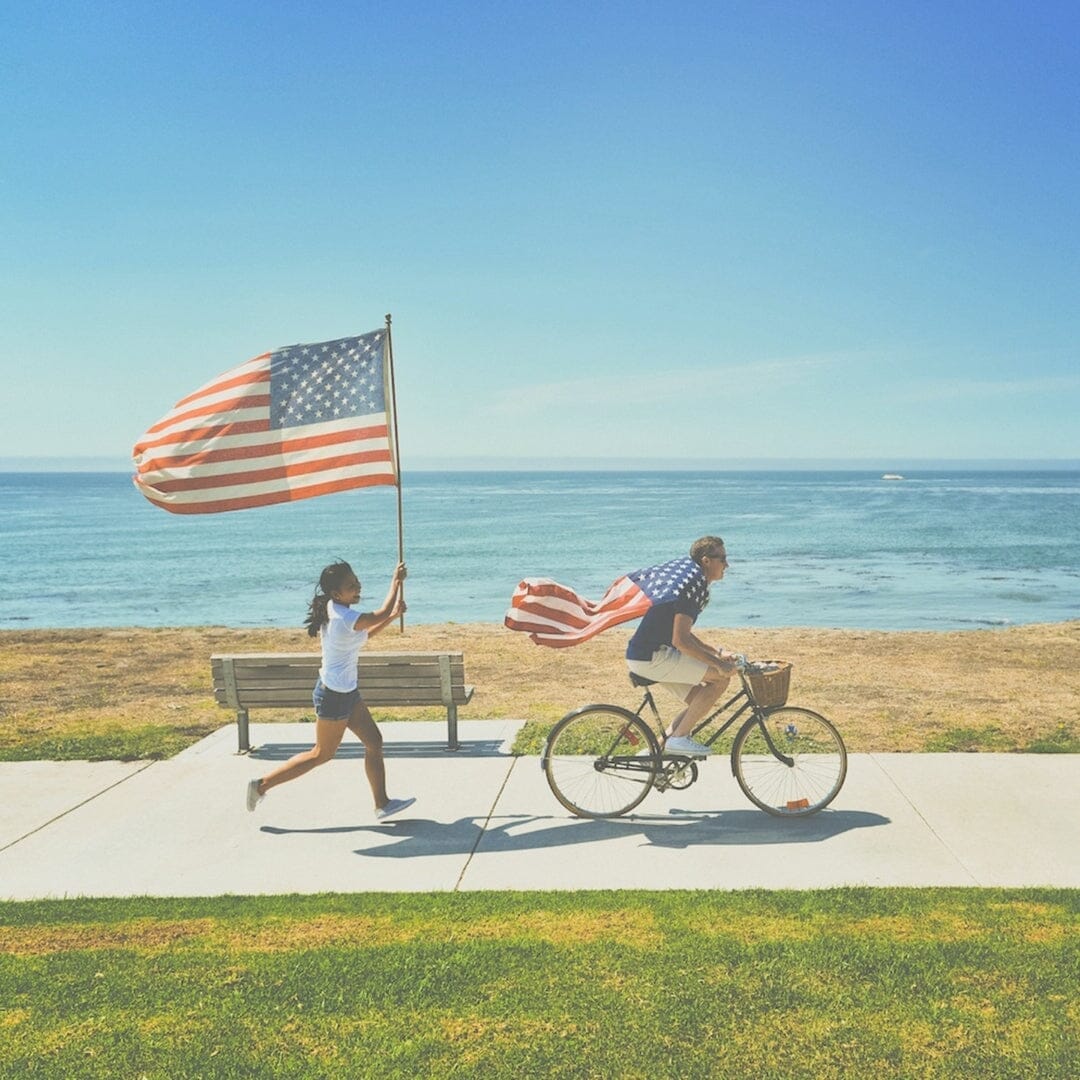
(290, 705)
(273, 698)
(244, 669)
(255, 679)
(366, 678)
(365, 657)
(367, 682)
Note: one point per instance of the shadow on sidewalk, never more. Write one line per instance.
(355, 750)
(418, 838)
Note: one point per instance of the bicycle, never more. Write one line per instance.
(602, 760)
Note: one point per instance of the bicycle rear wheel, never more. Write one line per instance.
(600, 761)
(818, 762)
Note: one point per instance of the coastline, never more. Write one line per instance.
(503, 463)
(67, 692)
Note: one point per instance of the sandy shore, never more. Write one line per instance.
(1016, 688)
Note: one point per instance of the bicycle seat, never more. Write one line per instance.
(640, 680)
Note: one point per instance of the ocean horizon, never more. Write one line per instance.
(473, 463)
(941, 549)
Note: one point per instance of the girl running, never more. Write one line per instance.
(342, 633)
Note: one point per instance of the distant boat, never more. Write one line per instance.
(892, 476)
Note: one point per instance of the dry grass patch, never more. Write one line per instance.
(781, 929)
(1016, 688)
(141, 935)
(632, 927)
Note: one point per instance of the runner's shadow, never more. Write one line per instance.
(423, 837)
(350, 751)
(277, 830)
(679, 829)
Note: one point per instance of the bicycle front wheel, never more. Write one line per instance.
(791, 762)
(600, 761)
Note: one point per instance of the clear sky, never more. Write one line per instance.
(711, 230)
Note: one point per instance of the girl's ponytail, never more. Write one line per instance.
(330, 581)
(316, 616)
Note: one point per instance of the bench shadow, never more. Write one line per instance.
(354, 750)
(420, 838)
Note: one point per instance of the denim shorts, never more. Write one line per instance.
(333, 704)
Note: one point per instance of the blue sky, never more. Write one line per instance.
(705, 230)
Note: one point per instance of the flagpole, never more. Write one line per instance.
(397, 455)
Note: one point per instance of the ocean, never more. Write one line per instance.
(936, 550)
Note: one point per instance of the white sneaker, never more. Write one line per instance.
(253, 795)
(683, 744)
(394, 806)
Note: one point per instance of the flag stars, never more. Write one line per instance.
(669, 581)
(327, 382)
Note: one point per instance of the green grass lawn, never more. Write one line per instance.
(836, 983)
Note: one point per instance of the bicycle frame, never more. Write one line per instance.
(758, 715)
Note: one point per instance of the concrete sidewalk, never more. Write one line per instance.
(486, 820)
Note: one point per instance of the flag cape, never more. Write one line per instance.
(556, 616)
(291, 424)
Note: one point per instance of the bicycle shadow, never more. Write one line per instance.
(419, 838)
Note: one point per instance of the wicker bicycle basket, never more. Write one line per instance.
(771, 688)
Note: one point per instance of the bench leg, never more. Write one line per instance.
(242, 730)
(451, 727)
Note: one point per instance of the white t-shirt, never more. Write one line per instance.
(341, 646)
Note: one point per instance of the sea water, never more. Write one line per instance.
(936, 550)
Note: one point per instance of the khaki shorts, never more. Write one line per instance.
(672, 669)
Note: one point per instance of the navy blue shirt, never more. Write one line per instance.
(677, 588)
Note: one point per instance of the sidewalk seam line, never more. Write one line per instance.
(918, 813)
(483, 828)
(77, 806)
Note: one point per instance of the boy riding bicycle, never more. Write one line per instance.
(666, 650)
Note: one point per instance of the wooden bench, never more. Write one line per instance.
(244, 681)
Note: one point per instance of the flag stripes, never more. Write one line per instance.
(556, 616)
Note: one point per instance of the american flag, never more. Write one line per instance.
(291, 424)
(553, 615)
